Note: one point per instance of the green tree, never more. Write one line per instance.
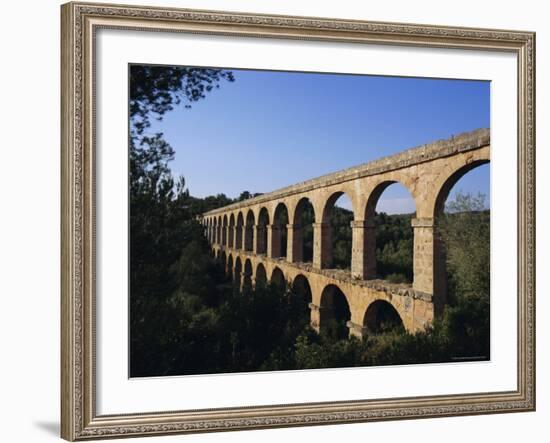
(155, 90)
(162, 220)
(465, 231)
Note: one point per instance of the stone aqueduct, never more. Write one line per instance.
(247, 237)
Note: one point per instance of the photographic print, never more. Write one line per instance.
(287, 220)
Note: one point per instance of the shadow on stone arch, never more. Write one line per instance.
(278, 280)
(261, 276)
(230, 267)
(247, 276)
(299, 300)
(335, 313)
(381, 317)
(238, 272)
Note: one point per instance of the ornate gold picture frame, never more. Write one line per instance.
(80, 23)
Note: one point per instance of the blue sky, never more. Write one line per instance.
(242, 135)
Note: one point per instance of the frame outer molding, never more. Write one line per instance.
(78, 416)
(68, 386)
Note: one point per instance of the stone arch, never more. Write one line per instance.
(335, 312)
(301, 229)
(299, 301)
(213, 230)
(249, 231)
(278, 278)
(230, 265)
(261, 275)
(219, 232)
(231, 239)
(247, 275)
(452, 178)
(330, 202)
(326, 238)
(368, 230)
(261, 231)
(238, 272)
(376, 193)
(301, 286)
(224, 230)
(239, 231)
(279, 232)
(381, 316)
(223, 260)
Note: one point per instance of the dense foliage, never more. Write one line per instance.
(186, 317)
